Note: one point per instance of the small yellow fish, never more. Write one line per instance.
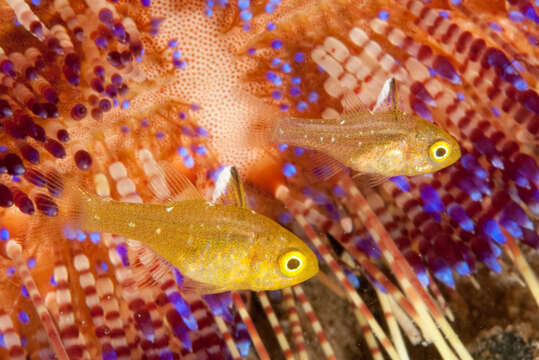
(385, 143)
(220, 247)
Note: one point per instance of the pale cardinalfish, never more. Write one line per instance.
(380, 143)
(216, 246)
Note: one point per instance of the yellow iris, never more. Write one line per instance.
(439, 151)
(291, 263)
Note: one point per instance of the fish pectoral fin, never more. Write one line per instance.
(321, 167)
(169, 185)
(229, 189)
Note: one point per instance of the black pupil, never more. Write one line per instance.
(293, 264)
(440, 152)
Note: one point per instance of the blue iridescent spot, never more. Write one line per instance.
(31, 262)
(69, 232)
(209, 12)
(172, 43)
(285, 218)
(289, 170)
(177, 54)
(24, 291)
(36, 2)
(53, 280)
(276, 62)
(401, 182)
(301, 106)
(2, 342)
(339, 191)
(313, 96)
(243, 4)
(11, 271)
(165, 355)
(122, 251)
(178, 276)
(270, 26)
(286, 68)
(520, 84)
(493, 231)
(495, 111)
(251, 51)
(456, 2)
(95, 237)
(3, 148)
(282, 147)
(295, 91)
(296, 80)
(495, 26)
(81, 235)
(125, 129)
(160, 135)
(4, 234)
(276, 94)
(182, 151)
(383, 15)
(246, 15)
(460, 96)
(23, 317)
(189, 162)
(201, 150)
(516, 16)
(202, 132)
(103, 265)
(270, 8)
(276, 44)
(299, 57)
(444, 14)
(298, 151)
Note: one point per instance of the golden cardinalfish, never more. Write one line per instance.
(217, 247)
(384, 143)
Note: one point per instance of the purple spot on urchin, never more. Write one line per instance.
(492, 230)
(445, 69)
(122, 252)
(401, 182)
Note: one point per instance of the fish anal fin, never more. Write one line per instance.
(371, 179)
(321, 166)
(229, 189)
(169, 185)
(194, 287)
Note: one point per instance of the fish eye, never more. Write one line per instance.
(291, 262)
(439, 151)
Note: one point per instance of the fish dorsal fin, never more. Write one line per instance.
(321, 166)
(388, 98)
(161, 271)
(169, 185)
(352, 104)
(229, 189)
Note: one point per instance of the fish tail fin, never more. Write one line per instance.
(63, 203)
(263, 130)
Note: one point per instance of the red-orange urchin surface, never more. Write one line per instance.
(105, 90)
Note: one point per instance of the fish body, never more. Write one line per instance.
(388, 143)
(223, 247)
